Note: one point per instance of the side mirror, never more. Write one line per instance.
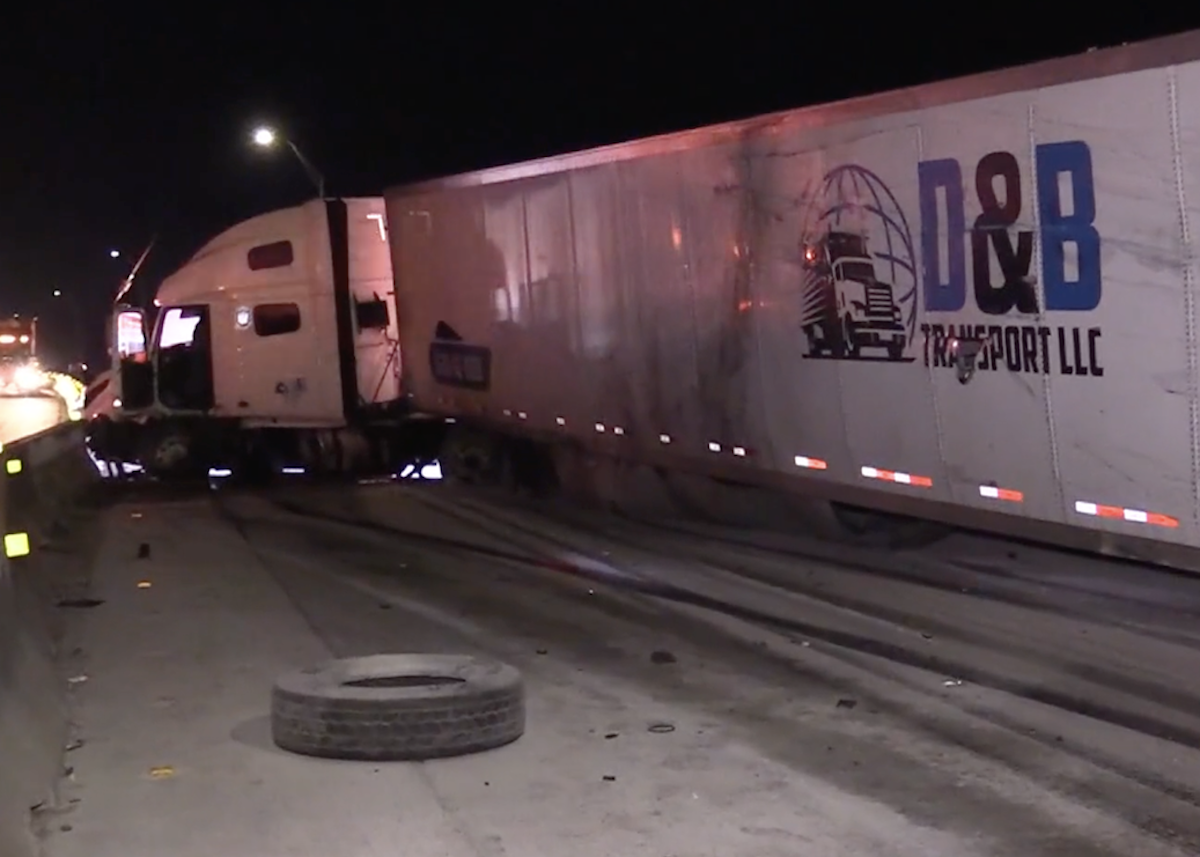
(964, 356)
(129, 335)
(132, 372)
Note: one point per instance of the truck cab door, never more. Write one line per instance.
(133, 371)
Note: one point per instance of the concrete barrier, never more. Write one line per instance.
(42, 478)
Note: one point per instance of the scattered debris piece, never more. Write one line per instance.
(661, 728)
(77, 679)
(65, 828)
(486, 783)
(143, 550)
(662, 656)
(135, 514)
(845, 702)
(143, 584)
(543, 652)
(383, 605)
(161, 772)
(74, 745)
(610, 735)
(81, 603)
(952, 682)
(1012, 554)
(609, 778)
(927, 635)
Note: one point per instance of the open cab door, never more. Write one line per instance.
(133, 371)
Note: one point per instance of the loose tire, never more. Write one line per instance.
(398, 707)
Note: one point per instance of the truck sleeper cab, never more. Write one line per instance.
(273, 342)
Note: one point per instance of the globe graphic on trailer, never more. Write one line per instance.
(852, 212)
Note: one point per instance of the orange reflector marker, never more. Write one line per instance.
(897, 477)
(16, 544)
(811, 463)
(13, 466)
(1134, 516)
(994, 493)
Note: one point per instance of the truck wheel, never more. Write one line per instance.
(895, 350)
(850, 346)
(834, 337)
(398, 707)
(168, 453)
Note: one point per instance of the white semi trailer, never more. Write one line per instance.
(1018, 353)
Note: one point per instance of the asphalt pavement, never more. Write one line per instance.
(690, 691)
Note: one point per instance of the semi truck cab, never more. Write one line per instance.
(280, 330)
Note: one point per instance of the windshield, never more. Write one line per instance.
(862, 272)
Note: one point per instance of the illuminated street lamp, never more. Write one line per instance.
(114, 254)
(266, 138)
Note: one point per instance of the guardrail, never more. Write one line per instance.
(43, 477)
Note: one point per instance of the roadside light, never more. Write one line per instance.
(264, 137)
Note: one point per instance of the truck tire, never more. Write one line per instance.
(398, 708)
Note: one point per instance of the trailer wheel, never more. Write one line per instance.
(398, 707)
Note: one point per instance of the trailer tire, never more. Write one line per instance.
(398, 708)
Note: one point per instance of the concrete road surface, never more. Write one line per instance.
(21, 417)
(976, 700)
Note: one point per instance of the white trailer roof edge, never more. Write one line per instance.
(1105, 62)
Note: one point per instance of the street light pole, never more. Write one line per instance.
(266, 138)
(314, 174)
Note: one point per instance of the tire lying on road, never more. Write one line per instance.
(398, 707)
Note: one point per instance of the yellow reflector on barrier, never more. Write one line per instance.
(16, 544)
(13, 466)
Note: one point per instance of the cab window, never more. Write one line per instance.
(276, 319)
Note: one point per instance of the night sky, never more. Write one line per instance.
(118, 128)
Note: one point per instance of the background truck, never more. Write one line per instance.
(21, 374)
(627, 322)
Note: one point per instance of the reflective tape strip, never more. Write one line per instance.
(1133, 516)
(897, 477)
(994, 493)
(810, 463)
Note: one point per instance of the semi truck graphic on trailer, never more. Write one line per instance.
(846, 307)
